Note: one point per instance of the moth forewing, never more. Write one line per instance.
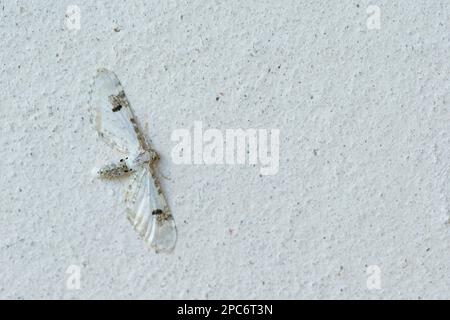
(135, 195)
(148, 212)
(113, 114)
(164, 233)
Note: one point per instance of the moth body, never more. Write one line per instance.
(127, 165)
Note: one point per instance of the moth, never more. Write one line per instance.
(146, 206)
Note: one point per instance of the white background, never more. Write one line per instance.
(364, 148)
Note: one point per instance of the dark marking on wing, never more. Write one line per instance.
(117, 108)
(157, 212)
(163, 217)
(120, 101)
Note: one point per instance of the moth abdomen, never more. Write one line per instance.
(112, 171)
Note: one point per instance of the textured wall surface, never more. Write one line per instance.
(358, 209)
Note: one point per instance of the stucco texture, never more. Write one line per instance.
(363, 178)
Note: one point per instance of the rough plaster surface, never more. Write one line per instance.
(364, 151)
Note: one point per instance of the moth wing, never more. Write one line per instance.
(148, 212)
(113, 113)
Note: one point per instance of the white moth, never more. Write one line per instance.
(116, 124)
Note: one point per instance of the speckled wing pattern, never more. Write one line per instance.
(148, 212)
(147, 208)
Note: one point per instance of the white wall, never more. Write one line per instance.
(364, 132)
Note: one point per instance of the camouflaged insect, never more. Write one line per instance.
(116, 124)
